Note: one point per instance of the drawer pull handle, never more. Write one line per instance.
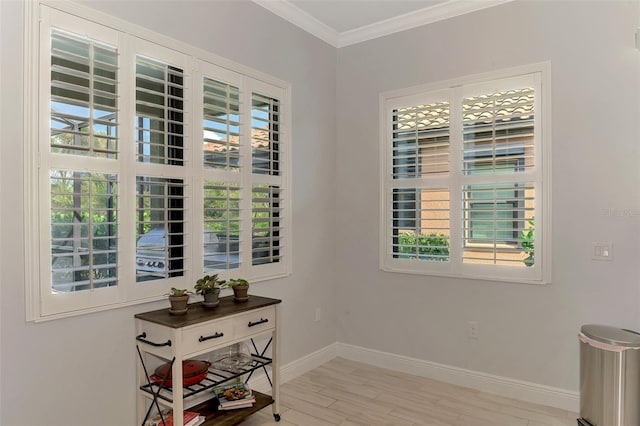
(142, 339)
(213, 336)
(262, 321)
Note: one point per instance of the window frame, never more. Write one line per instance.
(454, 91)
(133, 40)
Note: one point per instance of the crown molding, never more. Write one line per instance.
(428, 15)
(302, 19)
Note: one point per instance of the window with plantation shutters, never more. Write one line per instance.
(464, 178)
(153, 167)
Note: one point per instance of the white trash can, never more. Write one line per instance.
(609, 376)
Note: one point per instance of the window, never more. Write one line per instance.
(465, 178)
(154, 167)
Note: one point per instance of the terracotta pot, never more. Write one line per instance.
(211, 298)
(178, 304)
(240, 292)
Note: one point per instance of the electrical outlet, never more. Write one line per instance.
(602, 251)
(318, 314)
(472, 329)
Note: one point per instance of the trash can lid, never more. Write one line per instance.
(611, 335)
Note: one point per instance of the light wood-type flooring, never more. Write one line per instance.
(348, 393)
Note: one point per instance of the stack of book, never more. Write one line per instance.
(234, 396)
(190, 418)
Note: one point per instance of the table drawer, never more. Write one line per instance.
(155, 338)
(254, 322)
(207, 335)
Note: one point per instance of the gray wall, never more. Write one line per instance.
(75, 368)
(81, 370)
(527, 332)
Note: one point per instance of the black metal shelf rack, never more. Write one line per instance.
(215, 377)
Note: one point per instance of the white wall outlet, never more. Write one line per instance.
(318, 316)
(472, 329)
(602, 251)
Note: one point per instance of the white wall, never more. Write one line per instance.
(527, 332)
(81, 371)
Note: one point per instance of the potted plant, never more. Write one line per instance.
(240, 289)
(209, 287)
(178, 299)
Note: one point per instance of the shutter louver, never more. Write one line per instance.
(160, 228)
(221, 125)
(421, 224)
(159, 112)
(221, 226)
(498, 131)
(420, 140)
(265, 224)
(265, 135)
(83, 230)
(495, 216)
(84, 111)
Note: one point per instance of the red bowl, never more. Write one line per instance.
(193, 371)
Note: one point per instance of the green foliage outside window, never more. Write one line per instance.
(527, 239)
(431, 247)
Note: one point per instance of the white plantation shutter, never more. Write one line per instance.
(463, 180)
(420, 159)
(224, 160)
(79, 175)
(267, 213)
(162, 192)
(498, 150)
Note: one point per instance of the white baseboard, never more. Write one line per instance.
(296, 368)
(503, 386)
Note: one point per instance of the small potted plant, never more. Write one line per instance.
(240, 289)
(209, 287)
(178, 299)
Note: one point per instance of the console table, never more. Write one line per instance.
(162, 337)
